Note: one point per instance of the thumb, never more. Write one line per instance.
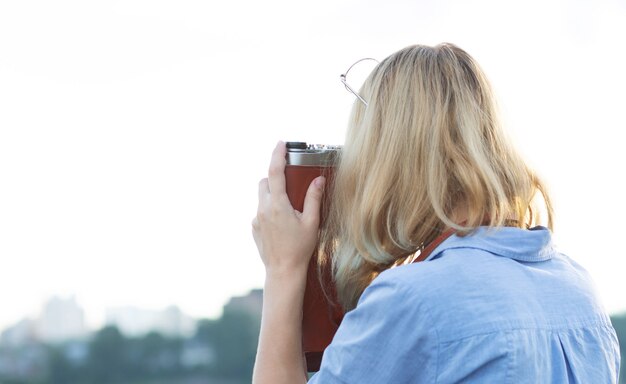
(313, 200)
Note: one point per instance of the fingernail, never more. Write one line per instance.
(319, 182)
(280, 143)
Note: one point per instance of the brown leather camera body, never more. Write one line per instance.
(321, 314)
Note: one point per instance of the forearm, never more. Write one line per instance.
(279, 355)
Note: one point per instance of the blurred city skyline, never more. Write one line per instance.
(62, 319)
(165, 346)
(133, 133)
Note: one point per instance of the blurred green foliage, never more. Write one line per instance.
(221, 351)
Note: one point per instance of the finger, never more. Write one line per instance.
(276, 173)
(313, 201)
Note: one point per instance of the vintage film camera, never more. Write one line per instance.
(321, 314)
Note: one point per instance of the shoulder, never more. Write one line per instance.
(465, 291)
(381, 338)
(391, 296)
(408, 290)
(426, 282)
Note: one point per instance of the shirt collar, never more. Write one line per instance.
(532, 245)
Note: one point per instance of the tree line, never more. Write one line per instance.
(220, 351)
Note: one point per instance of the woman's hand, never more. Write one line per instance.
(285, 237)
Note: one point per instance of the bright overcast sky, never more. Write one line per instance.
(133, 133)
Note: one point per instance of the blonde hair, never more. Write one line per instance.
(428, 145)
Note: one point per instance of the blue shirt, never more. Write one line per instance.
(498, 306)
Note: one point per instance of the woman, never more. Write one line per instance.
(425, 157)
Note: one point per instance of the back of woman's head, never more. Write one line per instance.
(427, 152)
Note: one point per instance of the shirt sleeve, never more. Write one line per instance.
(387, 338)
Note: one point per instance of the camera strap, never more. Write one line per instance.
(434, 244)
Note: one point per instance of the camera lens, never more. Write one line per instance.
(296, 145)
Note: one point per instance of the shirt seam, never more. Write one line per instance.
(438, 354)
(575, 326)
(508, 378)
(407, 292)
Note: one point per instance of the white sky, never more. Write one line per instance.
(133, 133)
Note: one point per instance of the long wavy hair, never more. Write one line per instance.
(427, 150)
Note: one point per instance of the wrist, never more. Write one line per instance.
(284, 290)
(290, 275)
(285, 281)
